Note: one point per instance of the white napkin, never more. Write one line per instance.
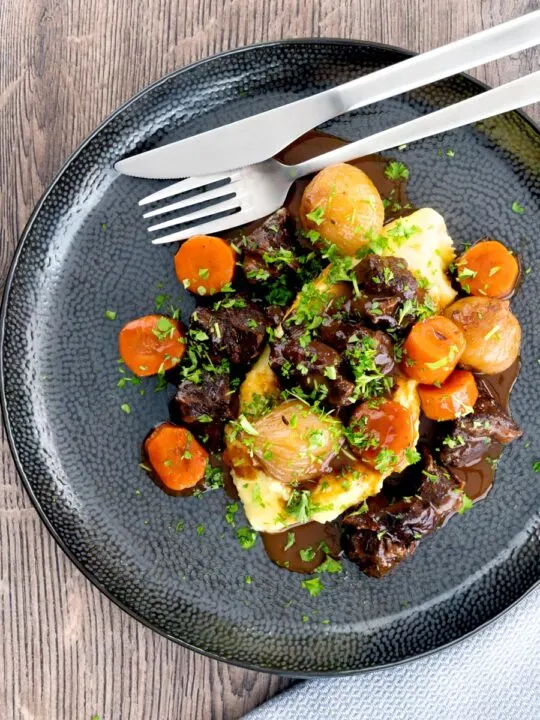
(492, 675)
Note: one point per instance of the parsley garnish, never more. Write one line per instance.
(536, 466)
(317, 215)
(466, 504)
(200, 530)
(396, 171)
(232, 509)
(517, 208)
(126, 408)
(329, 565)
(307, 554)
(299, 505)
(164, 328)
(314, 586)
(246, 537)
(291, 537)
(412, 456)
(385, 460)
(213, 477)
(110, 314)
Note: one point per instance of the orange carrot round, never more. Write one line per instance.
(386, 426)
(151, 344)
(204, 264)
(454, 398)
(432, 350)
(488, 269)
(177, 459)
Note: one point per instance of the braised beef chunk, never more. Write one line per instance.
(312, 366)
(344, 336)
(269, 250)
(473, 435)
(212, 399)
(389, 292)
(378, 540)
(386, 276)
(204, 407)
(275, 314)
(235, 332)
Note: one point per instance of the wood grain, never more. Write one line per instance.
(66, 651)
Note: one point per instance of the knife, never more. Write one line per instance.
(261, 136)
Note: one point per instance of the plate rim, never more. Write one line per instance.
(6, 292)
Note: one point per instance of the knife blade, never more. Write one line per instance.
(258, 137)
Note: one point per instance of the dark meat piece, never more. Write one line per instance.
(237, 332)
(386, 276)
(473, 435)
(378, 540)
(212, 400)
(275, 314)
(381, 312)
(343, 335)
(310, 366)
(389, 292)
(269, 250)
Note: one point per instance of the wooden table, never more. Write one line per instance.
(67, 652)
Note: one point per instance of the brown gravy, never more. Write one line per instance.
(478, 478)
(315, 538)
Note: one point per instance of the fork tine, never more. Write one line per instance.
(212, 226)
(230, 204)
(219, 192)
(191, 183)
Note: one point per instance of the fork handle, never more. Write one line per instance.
(512, 95)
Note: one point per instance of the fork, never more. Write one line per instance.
(253, 192)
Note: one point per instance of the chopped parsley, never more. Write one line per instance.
(246, 537)
(213, 477)
(164, 328)
(385, 460)
(330, 565)
(307, 554)
(110, 314)
(126, 407)
(179, 526)
(291, 538)
(412, 456)
(536, 466)
(316, 216)
(466, 504)
(232, 509)
(450, 153)
(517, 208)
(314, 586)
(396, 170)
(200, 530)
(248, 579)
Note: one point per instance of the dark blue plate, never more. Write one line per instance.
(86, 250)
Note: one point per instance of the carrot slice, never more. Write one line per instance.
(453, 399)
(489, 269)
(387, 426)
(204, 264)
(175, 456)
(151, 344)
(432, 350)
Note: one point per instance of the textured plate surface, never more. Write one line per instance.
(86, 250)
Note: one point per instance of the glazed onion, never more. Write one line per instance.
(492, 333)
(293, 443)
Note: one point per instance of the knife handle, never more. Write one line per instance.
(483, 47)
(512, 95)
